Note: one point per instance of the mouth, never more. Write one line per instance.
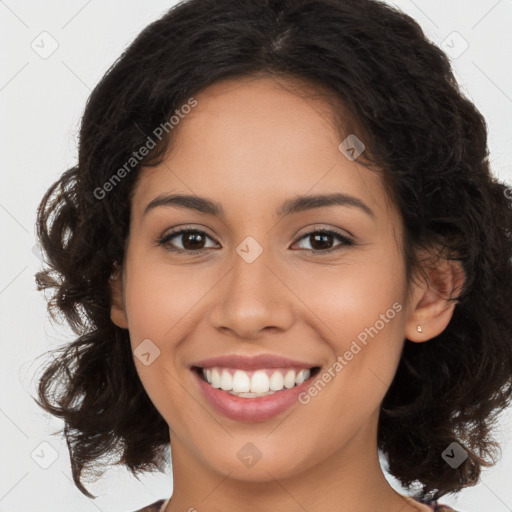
(251, 384)
(252, 389)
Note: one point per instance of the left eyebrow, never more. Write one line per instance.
(197, 203)
(289, 207)
(302, 203)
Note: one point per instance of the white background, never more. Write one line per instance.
(41, 101)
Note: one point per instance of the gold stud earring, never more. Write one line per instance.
(420, 328)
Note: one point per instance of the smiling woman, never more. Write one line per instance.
(313, 266)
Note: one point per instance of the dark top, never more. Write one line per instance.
(158, 507)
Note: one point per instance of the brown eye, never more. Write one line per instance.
(321, 240)
(192, 241)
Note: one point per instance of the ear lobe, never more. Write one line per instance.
(432, 305)
(117, 309)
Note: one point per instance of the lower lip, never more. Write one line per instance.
(251, 409)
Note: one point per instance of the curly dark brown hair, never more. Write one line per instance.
(426, 136)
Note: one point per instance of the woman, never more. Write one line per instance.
(283, 251)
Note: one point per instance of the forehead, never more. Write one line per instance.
(258, 141)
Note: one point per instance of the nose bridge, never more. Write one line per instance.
(251, 270)
(252, 297)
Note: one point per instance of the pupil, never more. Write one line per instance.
(324, 239)
(196, 241)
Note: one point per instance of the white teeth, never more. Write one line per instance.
(289, 379)
(226, 381)
(241, 382)
(276, 381)
(215, 378)
(302, 376)
(259, 383)
(250, 395)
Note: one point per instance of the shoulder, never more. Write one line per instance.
(154, 507)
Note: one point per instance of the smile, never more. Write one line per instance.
(253, 395)
(261, 382)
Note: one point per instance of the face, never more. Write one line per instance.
(254, 278)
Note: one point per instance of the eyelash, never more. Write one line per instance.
(346, 242)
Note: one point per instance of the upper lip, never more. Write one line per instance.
(252, 362)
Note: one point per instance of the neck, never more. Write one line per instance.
(350, 479)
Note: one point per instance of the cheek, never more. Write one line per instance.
(159, 303)
(350, 298)
(161, 298)
(359, 309)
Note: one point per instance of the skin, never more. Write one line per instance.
(249, 145)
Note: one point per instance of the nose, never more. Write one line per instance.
(252, 297)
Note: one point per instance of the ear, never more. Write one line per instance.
(430, 306)
(117, 308)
